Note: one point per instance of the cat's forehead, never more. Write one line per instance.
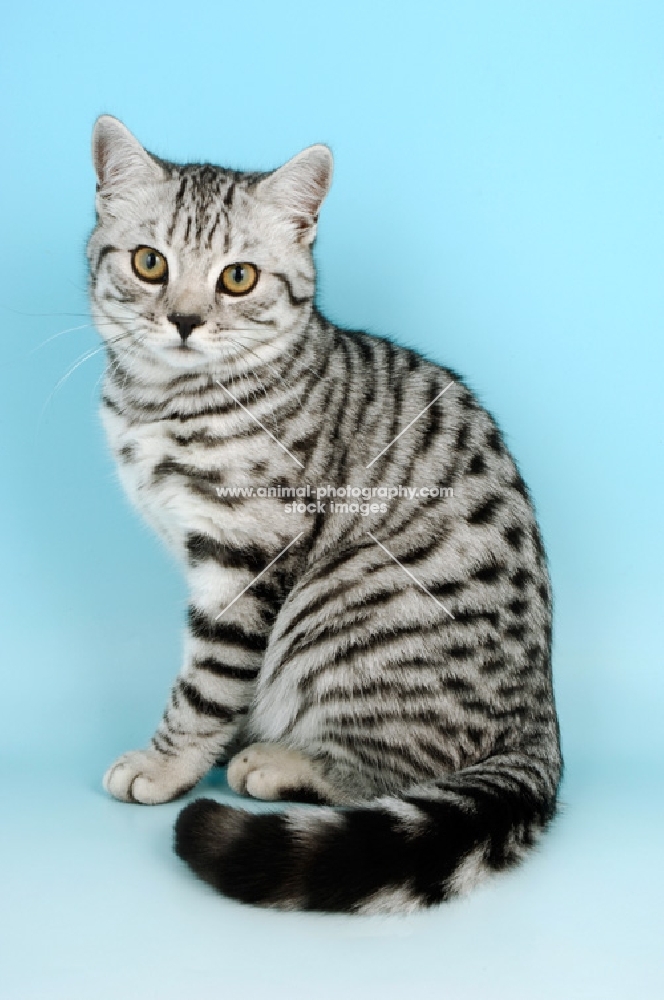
(205, 183)
(196, 203)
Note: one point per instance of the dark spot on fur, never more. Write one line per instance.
(462, 437)
(519, 485)
(514, 536)
(460, 652)
(485, 512)
(515, 631)
(494, 441)
(520, 578)
(477, 465)
(489, 574)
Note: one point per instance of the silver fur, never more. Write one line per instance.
(356, 681)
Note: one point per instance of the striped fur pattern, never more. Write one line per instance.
(396, 664)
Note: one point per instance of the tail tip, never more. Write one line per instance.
(199, 835)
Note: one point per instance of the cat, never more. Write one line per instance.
(385, 657)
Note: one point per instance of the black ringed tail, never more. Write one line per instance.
(392, 855)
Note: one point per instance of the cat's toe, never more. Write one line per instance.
(144, 776)
(265, 783)
(244, 763)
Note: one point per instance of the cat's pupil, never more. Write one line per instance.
(238, 275)
(150, 261)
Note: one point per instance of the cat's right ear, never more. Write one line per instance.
(298, 189)
(119, 159)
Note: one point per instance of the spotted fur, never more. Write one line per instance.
(397, 665)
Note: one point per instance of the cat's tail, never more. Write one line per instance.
(392, 855)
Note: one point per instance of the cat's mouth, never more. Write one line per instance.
(183, 348)
(182, 355)
(188, 355)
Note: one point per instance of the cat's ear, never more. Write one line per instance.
(119, 159)
(298, 189)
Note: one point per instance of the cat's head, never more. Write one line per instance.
(191, 265)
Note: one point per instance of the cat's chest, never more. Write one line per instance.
(181, 482)
(139, 451)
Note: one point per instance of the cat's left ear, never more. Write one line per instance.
(119, 159)
(298, 189)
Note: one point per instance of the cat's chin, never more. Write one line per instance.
(181, 356)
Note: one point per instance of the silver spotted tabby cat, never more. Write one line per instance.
(370, 613)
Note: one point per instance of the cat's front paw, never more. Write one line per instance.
(148, 777)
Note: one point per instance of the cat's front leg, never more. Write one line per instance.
(208, 701)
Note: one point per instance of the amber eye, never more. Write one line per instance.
(150, 265)
(238, 279)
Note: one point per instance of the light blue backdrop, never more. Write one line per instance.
(498, 202)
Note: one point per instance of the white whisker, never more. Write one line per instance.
(79, 361)
(283, 351)
(271, 368)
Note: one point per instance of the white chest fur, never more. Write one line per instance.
(172, 480)
(138, 450)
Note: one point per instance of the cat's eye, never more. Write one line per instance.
(238, 279)
(150, 265)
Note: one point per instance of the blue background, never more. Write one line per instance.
(498, 202)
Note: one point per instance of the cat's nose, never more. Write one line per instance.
(185, 324)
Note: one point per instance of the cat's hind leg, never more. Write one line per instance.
(272, 771)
